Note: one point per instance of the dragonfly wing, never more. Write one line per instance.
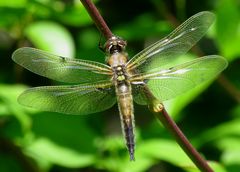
(139, 95)
(60, 68)
(76, 99)
(162, 53)
(169, 83)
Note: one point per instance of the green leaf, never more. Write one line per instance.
(118, 157)
(89, 49)
(141, 164)
(13, 3)
(171, 152)
(139, 28)
(235, 112)
(231, 150)
(10, 106)
(11, 18)
(217, 167)
(57, 154)
(220, 131)
(231, 156)
(166, 150)
(62, 129)
(228, 28)
(229, 143)
(52, 37)
(74, 15)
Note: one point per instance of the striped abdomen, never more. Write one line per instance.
(125, 105)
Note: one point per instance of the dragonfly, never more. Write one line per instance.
(148, 78)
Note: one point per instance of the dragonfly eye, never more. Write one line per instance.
(115, 44)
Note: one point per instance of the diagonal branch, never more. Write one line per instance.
(97, 18)
(157, 108)
(192, 153)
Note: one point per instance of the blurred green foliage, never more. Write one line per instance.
(209, 115)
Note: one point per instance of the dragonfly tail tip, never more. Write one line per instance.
(132, 158)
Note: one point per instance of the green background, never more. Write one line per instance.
(209, 115)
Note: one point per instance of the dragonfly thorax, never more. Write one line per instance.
(117, 59)
(120, 75)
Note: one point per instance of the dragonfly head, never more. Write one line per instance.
(115, 44)
(115, 50)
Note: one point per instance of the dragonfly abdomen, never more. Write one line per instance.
(125, 105)
(128, 127)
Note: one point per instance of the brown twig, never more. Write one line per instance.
(158, 109)
(171, 126)
(164, 117)
(97, 18)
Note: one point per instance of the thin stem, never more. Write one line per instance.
(97, 18)
(171, 126)
(156, 107)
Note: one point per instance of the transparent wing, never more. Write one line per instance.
(78, 99)
(169, 83)
(162, 53)
(60, 68)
